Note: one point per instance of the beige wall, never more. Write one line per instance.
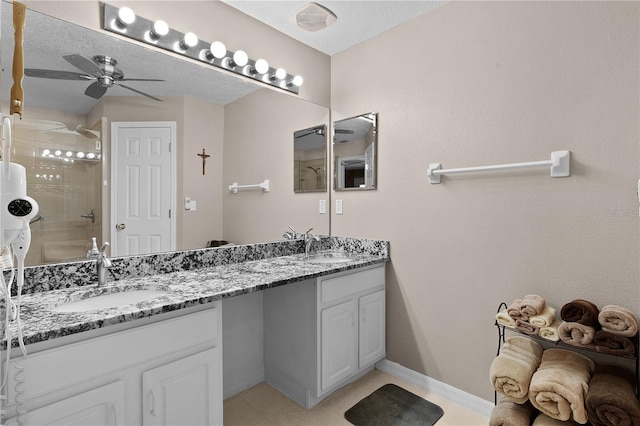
(478, 83)
(258, 145)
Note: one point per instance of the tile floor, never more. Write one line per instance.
(264, 405)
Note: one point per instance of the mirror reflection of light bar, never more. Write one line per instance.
(69, 156)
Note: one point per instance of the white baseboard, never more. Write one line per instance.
(444, 390)
(242, 383)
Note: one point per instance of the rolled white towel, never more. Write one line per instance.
(551, 332)
(545, 319)
(503, 318)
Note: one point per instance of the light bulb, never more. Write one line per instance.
(261, 67)
(240, 58)
(160, 28)
(58, 153)
(125, 17)
(297, 81)
(46, 152)
(218, 49)
(69, 154)
(80, 154)
(91, 155)
(189, 40)
(281, 74)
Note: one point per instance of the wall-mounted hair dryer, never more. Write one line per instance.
(17, 209)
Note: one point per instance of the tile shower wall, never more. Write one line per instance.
(65, 188)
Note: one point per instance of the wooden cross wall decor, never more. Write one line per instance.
(204, 159)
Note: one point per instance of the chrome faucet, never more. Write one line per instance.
(102, 264)
(308, 241)
(291, 234)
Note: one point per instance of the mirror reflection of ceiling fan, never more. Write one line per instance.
(319, 131)
(75, 128)
(102, 71)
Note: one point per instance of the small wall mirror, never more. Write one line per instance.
(310, 159)
(354, 149)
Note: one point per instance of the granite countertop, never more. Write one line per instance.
(185, 289)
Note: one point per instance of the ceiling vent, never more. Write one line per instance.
(313, 17)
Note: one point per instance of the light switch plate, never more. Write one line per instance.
(338, 206)
(187, 203)
(322, 206)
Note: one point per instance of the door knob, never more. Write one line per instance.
(120, 226)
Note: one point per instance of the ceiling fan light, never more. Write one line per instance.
(314, 17)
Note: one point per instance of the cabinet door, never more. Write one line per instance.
(97, 407)
(371, 328)
(184, 392)
(338, 343)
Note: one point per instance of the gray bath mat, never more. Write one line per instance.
(393, 406)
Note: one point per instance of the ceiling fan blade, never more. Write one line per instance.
(139, 79)
(86, 133)
(95, 90)
(58, 75)
(139, 92)
(85, 64)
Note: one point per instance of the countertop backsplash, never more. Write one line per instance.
(77, 274)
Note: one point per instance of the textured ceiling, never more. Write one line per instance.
(46, 52)
(357, 20)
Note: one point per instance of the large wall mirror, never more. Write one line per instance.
(63, 139)
(354, 151)
(310, 159)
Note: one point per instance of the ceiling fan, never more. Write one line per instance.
(102, 70)
(74, 129)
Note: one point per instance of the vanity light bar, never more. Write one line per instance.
(124, 22)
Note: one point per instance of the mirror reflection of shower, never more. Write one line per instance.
(63, 162)
(310, 159)
(318, 175)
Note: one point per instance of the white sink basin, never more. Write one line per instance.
(90, 301)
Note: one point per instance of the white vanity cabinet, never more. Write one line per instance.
(322, 334)
(167, 372)
(182, 392)
(103, 405)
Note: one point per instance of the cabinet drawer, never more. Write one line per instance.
(103, 405)
(100, 356)
(352, 283)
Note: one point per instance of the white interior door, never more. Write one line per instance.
(143, 187)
